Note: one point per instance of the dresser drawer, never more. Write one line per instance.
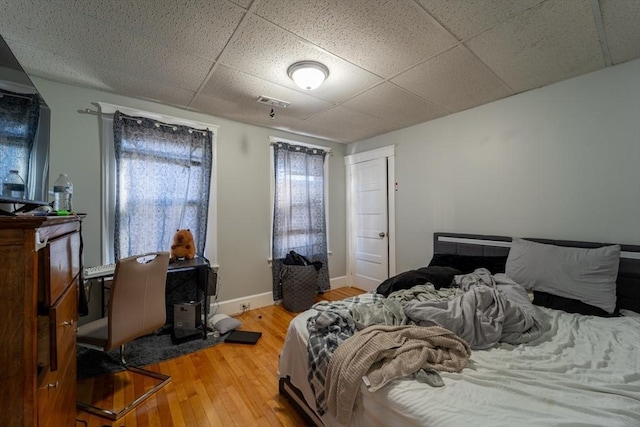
(63, 326)
(57, 396)
(60, 265)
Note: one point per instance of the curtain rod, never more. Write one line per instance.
(303, 144)
(175, 127)
(311, 147)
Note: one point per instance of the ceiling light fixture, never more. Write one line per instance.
(308, 75)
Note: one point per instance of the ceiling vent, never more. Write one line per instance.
(273, 102)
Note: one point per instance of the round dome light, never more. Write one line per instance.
(308, 75)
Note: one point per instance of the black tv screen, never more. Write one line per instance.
(24, 133)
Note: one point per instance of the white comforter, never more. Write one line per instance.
(583, 371)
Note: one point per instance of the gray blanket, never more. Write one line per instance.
(389, 311)
(492, 309)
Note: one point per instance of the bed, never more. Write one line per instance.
(575, 364)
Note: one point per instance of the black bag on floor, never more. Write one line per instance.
(294, 258)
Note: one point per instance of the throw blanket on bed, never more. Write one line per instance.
(327, 330)
(339, 320)
(383, 353)
(493, 309)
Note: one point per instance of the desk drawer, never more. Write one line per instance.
(63, 326)
(61, 264)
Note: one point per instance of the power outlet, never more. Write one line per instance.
(245, 307)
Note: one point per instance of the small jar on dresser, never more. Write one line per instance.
(40, 264)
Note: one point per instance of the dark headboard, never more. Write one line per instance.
(628, 283)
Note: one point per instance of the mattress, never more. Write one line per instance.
(584, 370)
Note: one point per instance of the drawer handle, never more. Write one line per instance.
(67, 323)
(52, 385)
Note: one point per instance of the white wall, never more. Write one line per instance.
(562, 162)
(243, 184)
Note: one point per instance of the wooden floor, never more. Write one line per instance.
(224, 385)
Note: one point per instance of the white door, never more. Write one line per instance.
(370, 230)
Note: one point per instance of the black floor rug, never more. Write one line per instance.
(143, 351)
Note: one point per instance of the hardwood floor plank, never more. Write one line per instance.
(224, 385)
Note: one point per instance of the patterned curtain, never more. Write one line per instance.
(299, 222)
(19, 115)
(163, 175)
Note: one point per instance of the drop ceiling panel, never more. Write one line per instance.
(139, 87)
(454, 81)
(338, 124)
(553, 41)
(396, 108)
(393, 63)
(254, 114)
(622, 28)
(79, 73)
(382, 36)
(59, 68)
(228, 109)
(198, 27)
(90, 41)
(243, 89)
(464, 21)
(243, 3)
(48, 26)
(82, 74)
(266, 51)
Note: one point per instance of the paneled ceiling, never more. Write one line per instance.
(393, 63)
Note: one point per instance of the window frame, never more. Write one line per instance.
(272, 187)
(108, 184)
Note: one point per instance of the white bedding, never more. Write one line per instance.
(584, 371)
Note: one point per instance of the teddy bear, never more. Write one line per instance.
(183, 246)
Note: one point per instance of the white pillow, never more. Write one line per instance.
(588, 275)
(223, 323)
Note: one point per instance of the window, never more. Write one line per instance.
(299, 208)
(158, 179)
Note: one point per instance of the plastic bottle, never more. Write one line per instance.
(13, 185)
(62, 194)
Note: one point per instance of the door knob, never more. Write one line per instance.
(382, 234)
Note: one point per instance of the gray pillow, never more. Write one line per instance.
(588, 275)
(223, 323)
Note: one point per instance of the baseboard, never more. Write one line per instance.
(234, 306)
(339, 282)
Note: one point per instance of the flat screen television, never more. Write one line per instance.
(24, 135)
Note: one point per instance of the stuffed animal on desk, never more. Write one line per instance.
(183, 246)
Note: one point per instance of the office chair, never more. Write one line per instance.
(136, 308)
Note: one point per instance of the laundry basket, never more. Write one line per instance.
(299, 287)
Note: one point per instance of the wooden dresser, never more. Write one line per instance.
(40, 262)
